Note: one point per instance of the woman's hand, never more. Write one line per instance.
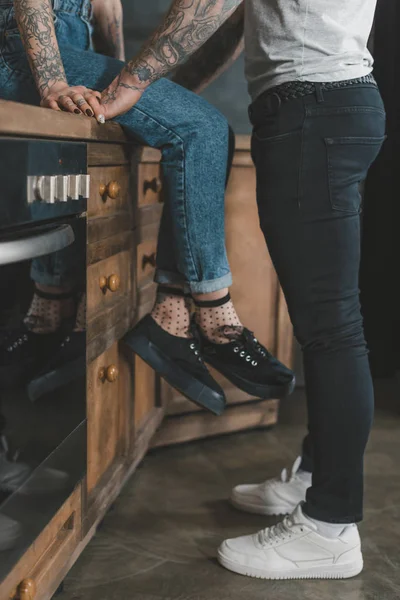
(120, 96)
(77, 99)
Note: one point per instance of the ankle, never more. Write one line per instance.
(171, 311)
(217, 319)
(210, 296)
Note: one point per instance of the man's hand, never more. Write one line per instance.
(77, 99)
(120, 96)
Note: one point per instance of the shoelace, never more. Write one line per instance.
(279, 532)
(247, 346)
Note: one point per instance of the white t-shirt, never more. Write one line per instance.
(306, 40)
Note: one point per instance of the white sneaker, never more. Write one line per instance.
(294, 549)
(278, 496)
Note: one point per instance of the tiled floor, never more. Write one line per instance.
(159, 541)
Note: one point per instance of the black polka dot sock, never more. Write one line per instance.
(218, 319)
(171, 311)
(47, 311)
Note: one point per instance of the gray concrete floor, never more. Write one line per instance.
(159, 541)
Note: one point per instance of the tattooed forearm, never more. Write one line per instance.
(35, 22)
(108, 37)
(217, 54)
(186, 27)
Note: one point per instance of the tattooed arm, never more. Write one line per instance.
(36, 25)
(186, 27)
(212, 59)
(108, 36)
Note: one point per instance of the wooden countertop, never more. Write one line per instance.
(32, 121)
(18, 119)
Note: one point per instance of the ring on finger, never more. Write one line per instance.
(80, 102)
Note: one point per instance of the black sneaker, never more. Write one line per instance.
(178, 361)
(247, 364)
(22, 353)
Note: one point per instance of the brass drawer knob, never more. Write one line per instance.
(109, 374)
(111, 190)
(155, 185)
(149, 259)
(27, 590)
(112, 373)
(111, 283)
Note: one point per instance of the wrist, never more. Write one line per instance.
(54, 88)
(136, 77)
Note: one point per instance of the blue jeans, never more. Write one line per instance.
(192, 135)
(311, 153)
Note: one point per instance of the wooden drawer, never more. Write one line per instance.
(108, 282)
(45, 564)
(109, 191)
(145, 261)
(109, 394)
(150, 184)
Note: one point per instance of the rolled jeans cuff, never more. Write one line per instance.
(195, 287)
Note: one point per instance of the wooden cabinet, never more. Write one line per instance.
(123, 398)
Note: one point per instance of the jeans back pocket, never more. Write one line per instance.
(349, 159)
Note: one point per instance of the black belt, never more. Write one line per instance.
(297, 89)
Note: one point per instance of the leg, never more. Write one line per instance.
(313, 232)
(310, 158)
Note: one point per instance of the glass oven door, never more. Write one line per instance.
(42, 378)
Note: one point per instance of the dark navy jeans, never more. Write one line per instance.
(192, 135)
(311, 155)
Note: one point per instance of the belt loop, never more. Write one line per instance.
(319, 93)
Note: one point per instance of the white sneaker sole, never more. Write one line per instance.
(345, 571)
(263, 509)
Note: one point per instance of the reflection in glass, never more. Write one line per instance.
(42, 390)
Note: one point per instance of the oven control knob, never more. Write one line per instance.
(79, 186)
(74, 186)
(85, 186)
(45, 189)
(62, 188)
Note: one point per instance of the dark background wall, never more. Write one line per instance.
(228, 93)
